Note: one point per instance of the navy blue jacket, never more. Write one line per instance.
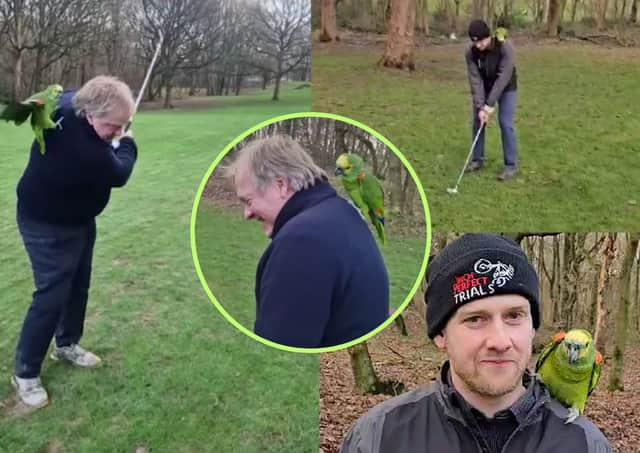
(71, 183)
(322, 280)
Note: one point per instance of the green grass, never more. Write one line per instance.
(177, 377)
(229, 249)
(577, 122)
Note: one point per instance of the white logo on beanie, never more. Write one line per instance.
(502, 273)
(469, 286)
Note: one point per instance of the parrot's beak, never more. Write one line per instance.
(338, 171)
(573, 354)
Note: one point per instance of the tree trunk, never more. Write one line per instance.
(601, 14)
(167, 95)
(409, 192)
(193, 84)
(603, 272)
(574, 9)
(364, 375)
(328, 27)
(382, 15)
(633, 15)
(399, 322)
(399, 51)
(476, 9)
(422, 16)
(555, 16)
(604, 286)
(395, 188)
(569, 278)
(276, 89)
(17, 76)
(637, 295)
(622, 318)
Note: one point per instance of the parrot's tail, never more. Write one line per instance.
(40, 139)
(380, 230)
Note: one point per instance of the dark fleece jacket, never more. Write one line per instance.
(322, 280)
(71, 183)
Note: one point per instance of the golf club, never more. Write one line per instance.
(115, 143)
(454, 190)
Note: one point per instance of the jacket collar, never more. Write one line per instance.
(302, 200)
(525, 409)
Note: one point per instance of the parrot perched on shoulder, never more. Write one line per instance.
(40, 106)
(364, 189)
(501, 34)
(570, 367)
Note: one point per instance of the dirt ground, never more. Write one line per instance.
(414, 361)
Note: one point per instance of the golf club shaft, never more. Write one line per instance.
(466, 162)
(115, 143)
(145, 81)
(148, 74)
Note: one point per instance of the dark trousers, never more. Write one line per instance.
(506, 112)
(61, 263)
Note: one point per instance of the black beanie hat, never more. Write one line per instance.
(478, 30)
(476, 266)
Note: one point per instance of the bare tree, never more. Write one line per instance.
(282, 36)
(47, 30)
(188, 29)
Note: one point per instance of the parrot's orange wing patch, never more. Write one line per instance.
(557, 338)
(598, 358)
(361, 175)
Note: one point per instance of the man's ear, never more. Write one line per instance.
(440, 341)
(283, 187)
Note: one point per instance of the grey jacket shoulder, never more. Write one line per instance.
(596, 442)
(365, 436)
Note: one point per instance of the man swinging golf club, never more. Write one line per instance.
(492, 76)
(59, 196)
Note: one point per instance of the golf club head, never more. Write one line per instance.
(452, 190)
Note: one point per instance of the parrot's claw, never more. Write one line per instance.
(573, 414)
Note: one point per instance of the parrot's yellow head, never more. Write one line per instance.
(348, 164)
(578, 345)
(56, 90)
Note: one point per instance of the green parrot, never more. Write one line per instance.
(40, 106)
(364, 189)
(570, 367)
(501, 34)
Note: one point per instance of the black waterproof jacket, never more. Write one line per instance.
(429, 420)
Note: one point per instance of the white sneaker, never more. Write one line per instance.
(76, 355)
(30, 392)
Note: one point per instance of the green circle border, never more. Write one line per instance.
(225, 151)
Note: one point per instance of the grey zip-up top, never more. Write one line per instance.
(491, 72)
(432, 419)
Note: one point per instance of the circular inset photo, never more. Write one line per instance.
(310, 232)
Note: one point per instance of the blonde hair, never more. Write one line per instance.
(277, 157)
(103, 95)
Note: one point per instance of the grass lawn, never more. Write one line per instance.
(577, 121)
(229, 265)
(177, 377)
